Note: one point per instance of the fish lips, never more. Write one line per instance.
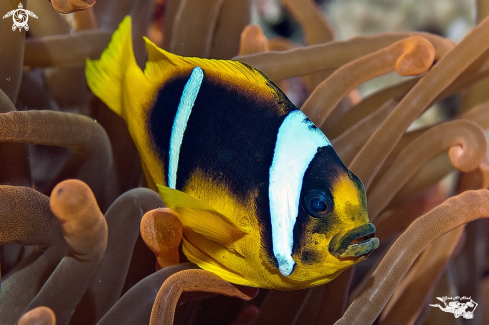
(351, 243)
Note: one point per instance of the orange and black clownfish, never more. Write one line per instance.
(263, 197)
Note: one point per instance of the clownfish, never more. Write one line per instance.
(263, 197)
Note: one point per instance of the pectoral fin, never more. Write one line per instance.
(203, 260)
(201, 218)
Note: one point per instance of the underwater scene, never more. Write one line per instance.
(244, 162)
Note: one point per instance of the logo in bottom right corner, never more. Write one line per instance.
(458, 306)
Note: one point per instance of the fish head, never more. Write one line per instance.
(332, 231)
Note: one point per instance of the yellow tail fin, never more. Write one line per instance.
(105, 76)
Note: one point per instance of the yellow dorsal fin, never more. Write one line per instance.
(105, 76)
(201, 218)
(162, 65)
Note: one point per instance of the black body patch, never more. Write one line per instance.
(230, 137)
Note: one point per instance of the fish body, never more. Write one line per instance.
(263, 197)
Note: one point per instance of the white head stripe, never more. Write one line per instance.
(185, 106)
(298, 141)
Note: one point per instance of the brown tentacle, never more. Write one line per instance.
(66, 50)
(225, 41)
(352, 140)
(90, 147)
(252, 40)
(290, 302)
(123, 219)
(454, 212)
(192, 281)
(409, 56)
(38, 316)
(369, 160)
(162, 231)
(282, 65)
(85, 230)
(193, 37)
(468, 146)
(27, 220)
(367, 106)
(68, 6)
(317, 28)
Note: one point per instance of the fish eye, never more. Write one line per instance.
(318, 203)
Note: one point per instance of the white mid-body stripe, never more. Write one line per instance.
(185, 106)
(297, 144)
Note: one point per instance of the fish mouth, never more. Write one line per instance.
(355, 242)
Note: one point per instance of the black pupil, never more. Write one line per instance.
(318, 205)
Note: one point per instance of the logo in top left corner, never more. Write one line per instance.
(20, 17)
